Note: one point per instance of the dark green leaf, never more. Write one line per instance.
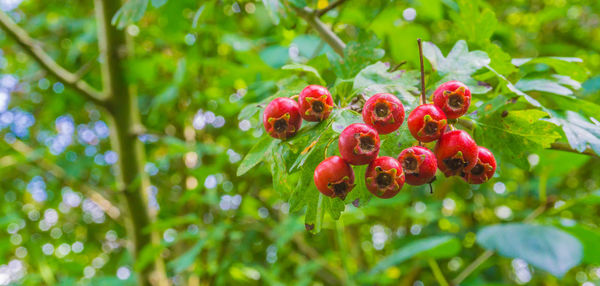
(256, 154)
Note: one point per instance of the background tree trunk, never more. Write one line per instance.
(122, 107)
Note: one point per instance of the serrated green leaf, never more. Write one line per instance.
(459, 65)
(376, 79)
(343, 118)
(545, 247)
(516, 135)
(305, 68)
(580, 133)
(431, 247)
(476, 25)
(256, 154)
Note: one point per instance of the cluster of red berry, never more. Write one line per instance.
(455, 153)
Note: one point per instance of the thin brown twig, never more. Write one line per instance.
(331, 6)
(32, 48)
(324, 31)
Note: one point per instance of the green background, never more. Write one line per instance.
(169, 206)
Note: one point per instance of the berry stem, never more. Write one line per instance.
(327, 147)
(430, 188)
(423, 99)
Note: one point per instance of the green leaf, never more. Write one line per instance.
(516, 135)
(256, 154)
(589, 238)
(182, 262)
(376, 79)
(131, 12)
(565, 66)
(158, 3)
(431, 247)
(542, 84)
(459, 65)
(545, 247)
(478, 26)
(343, 118)
(580, 133)
(357, 55)
(305, 68)
(275, 56)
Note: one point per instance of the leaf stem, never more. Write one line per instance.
(423, 96)
(437, 272)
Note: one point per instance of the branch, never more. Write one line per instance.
(111, 210)
(312, 18)
(41, 57)
(329, 8)
(560, 146)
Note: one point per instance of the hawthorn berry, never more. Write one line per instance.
(419, 165)
(282, 118)
(384, 112)
(484, 169)
(315, 103)
(384, 177)
(359, 144)
(456, 153)
(453, 97)
(427, 122)
(334, 177)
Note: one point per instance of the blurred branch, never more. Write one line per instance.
(111, 210)
(437, 272)
(312, 18)
(560, 146)
(329, 8)
(488, 253)
(41, 57)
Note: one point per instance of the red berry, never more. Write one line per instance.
(384, 112)
(419, 165)
(456, 153)
(359, 144)
(427, 122)
(282, 118)
(334, 177)
(453, 97)
(384, 177)
(484, 169)
(315, 103)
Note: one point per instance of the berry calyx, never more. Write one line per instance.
(484, 168)
(282, 118)
(359, 144)
(384, 112)
(427, 122)
(384, 177)
(456, 153)
(453, 97)
(419, 165)
(315, 103)
(334, 177)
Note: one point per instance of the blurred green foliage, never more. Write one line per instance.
(203, 72)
